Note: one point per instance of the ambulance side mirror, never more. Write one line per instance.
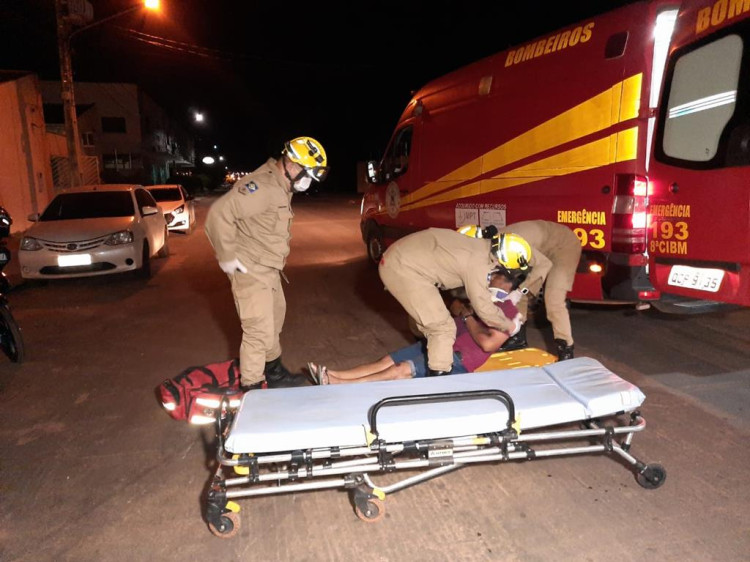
(372, 172)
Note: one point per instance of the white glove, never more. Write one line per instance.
(231, 267)
(515, 296)
(517, 323)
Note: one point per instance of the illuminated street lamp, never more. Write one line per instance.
(69, 13)
(198, 117)
(208, 160)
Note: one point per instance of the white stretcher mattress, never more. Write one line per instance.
(287, 419)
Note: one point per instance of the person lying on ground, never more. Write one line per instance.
(475, 342)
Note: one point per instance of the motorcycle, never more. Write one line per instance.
(11, 341)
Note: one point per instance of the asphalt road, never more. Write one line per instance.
(92, 468)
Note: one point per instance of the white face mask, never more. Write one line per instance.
(302, 184)
(497, 295)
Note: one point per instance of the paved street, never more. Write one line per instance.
(93, 469)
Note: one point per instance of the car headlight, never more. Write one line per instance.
(122, 237)
(180, 209)
(30, 244)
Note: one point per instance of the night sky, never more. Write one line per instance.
(263, 72)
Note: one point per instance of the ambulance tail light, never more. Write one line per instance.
(629, 214)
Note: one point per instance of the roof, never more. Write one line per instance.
(104, 187)
(163, 186)
(11, 75)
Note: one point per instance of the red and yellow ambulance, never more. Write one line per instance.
(557, 129)
(699, 200)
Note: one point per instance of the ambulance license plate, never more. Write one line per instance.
(696, 278)
(75, 259)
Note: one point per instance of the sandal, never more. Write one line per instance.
(313, 369)
(323, 375)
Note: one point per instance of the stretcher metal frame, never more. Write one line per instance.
(350, 467)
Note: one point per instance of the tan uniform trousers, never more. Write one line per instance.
(556, 289)
(261, 306)
(422, 301)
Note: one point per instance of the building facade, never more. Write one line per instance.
(131, 136)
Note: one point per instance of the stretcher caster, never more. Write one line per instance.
(371, 510)
(229, 524)
(651, 476)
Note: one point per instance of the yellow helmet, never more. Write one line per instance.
(308, 153)
(476, 231)
(511, 251)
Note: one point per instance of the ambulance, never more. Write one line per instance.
(699, 192)
(558, 128)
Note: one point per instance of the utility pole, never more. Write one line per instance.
(67, 94)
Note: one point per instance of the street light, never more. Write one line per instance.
(198, 117)
(67, 13)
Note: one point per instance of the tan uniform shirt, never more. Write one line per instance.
(451, 260)
(252, 222)
(551, 244)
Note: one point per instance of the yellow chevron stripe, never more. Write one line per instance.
(618, 147)
(614, 105)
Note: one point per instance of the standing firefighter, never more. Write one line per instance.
(249, 228)
(416, 267)
(556, 252)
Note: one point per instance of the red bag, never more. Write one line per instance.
(196, 392)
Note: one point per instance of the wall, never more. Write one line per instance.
(25, 173)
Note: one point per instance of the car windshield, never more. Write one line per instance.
(166, 194)
(89, 205)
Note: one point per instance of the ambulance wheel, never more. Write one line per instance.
(373, 512)
(375, 246)
(652, 476)
(229, 524)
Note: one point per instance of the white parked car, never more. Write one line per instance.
(94, 230)
(175, 201)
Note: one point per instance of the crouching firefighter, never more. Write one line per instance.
(415, 268)
(249, 228)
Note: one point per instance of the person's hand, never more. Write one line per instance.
(231, 267)
(515, 296)
(517, 323)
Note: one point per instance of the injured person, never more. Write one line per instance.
(475, 342)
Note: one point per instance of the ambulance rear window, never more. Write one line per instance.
(701, 110)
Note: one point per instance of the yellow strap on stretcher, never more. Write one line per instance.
(378, 493)
(233, 507)
(241, 470)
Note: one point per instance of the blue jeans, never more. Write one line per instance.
(416, 356)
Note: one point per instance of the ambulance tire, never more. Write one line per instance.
(375, 245)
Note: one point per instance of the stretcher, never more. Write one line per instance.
(326, 437)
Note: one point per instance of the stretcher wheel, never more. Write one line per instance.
(652, 476)
(229, 525)
(373, 512)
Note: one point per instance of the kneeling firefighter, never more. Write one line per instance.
(415, 268)
(249, 228)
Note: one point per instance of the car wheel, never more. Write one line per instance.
(164, 252)
(145, 271)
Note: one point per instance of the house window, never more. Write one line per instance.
(117, 161)
(87, 139)
(113, 125)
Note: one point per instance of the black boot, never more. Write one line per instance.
(277, 376)
(564, 351)
(434, 373)
(254, 386)
(517, 341)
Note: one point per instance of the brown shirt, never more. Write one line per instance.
(252, 222)
(552, 244)
(451, 260)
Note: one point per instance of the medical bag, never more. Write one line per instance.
(197, 392)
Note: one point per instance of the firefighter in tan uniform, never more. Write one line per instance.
(556, 252)
(416, 267)
(249, 228)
